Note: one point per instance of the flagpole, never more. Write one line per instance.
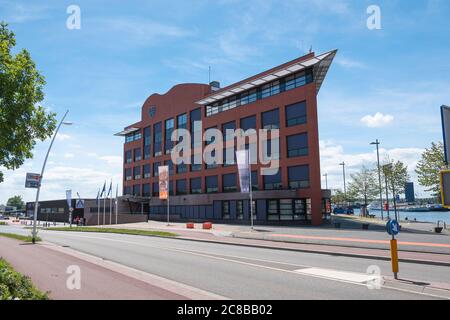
(104, 210)
(117, 201)
(98, 208)
(251, 188)
(110, 210)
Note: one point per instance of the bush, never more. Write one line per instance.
(14, 285)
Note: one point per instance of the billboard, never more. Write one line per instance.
(163, 172)
(445, 188)
(445, 114)
(32, 180)
(242, 158)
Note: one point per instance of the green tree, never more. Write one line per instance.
(340, 198)
(396, 174)
(17, 202)
(22, 120)
(428, 168)
(364, 185)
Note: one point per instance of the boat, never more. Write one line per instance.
(437, 207)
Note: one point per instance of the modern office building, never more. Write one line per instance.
(284, 98)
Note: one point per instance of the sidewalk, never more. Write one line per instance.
(46, 265)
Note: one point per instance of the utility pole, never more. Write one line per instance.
(345, 187)
(377, 143)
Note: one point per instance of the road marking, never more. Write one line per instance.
(245, 263)
(405, 243)
(339, 275)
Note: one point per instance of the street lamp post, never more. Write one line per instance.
(42, 175)
(385, 169)
(377, 143)
(345, 188)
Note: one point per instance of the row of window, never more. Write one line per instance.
(298, 178)
(262, 92)
(133, 136)
(295, 114)
(52, 210)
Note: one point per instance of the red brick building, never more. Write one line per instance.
(284, 98)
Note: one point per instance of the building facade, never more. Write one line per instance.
(283, 98)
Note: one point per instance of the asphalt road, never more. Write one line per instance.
(244, 272)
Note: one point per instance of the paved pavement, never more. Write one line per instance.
(242, 272)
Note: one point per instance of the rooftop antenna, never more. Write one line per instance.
(209, 74)
(310, 49)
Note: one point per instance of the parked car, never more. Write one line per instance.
(343, 210)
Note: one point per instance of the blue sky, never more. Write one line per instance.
(124, 52)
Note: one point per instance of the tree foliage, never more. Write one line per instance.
(364, 185)
(428, 168)
(22, 120)
(396, 174)
(17, 202)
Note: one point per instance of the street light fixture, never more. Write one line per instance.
(345, 187)
(42, 174)
(377, 143)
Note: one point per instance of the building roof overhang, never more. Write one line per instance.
(127, 132)
(321, 65)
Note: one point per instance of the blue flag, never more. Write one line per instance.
(110, 189)
(98, 197)
(103, 190)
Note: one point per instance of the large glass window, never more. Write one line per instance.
(181, 187)
(273, 182)
(229, 182)
(155, 188)
(196, 116)
(170, 165)
(296, 114)
(240, 210)
(157, 135)
(137, 154)
(196, 185)
(146, 190)
(298, 177)
(126, 190)
(155, 169)
(147, 171)
(248, 123)
(271, 119)
(297, 145)
(147, 136)
(128, 174)
(272, 210)
(211, 184)
(147, 152)
(137, 190)
(196, 166)
(182, 121)
(255, 186)
(225, 210)
(128, 156)
(137, 173)
(169, 127)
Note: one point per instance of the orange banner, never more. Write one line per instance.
(163, 172)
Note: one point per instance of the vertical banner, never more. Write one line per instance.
(242, 159)
(69, 198)
(445, 114)
(445, 188)
(163, 172)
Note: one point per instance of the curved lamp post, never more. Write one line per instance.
(377, 143)
(42, 174)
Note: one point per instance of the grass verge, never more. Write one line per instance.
(3, 223)
(14, 285)
(18, 237)
(119, 231)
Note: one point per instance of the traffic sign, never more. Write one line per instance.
(393, 227)
(32, 180)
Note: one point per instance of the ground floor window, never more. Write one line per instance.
(225, 210)
(289, 210)
(240, 210)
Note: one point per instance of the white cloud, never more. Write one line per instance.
(69, 155)
(378, 120)
(112, 160)
(63, 137)
(350, 63)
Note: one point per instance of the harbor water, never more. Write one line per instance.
(430, 216)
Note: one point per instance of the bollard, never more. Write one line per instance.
(394, 258)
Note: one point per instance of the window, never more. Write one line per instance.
(272, 210)
(170, 165)
(273, 182)
(240, 210)
(248, 123)
(137, 155)
(297, 145)
(229, 182)
(137, 173)
(298, 177)
(211, 184)
(129, 138)
(271, 120)
(137, 135)
(182, 121)
(128, 174)
(137, 190)
(225, 210)
(147, 136)
(146, 190)
(229, 157)
(181, 187)
(300, 209)
(155, 169)
(169, 127)
(255, 186)
(196, 166)
(196, 186)
(182, 168)
(270, 89)
(155, 189)
(147, 171)
(296, 114)
(157, 136)
(128, 156)
(147, 152)
(228, 126)
(286, 209)
(127, 191)
(196, 116)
